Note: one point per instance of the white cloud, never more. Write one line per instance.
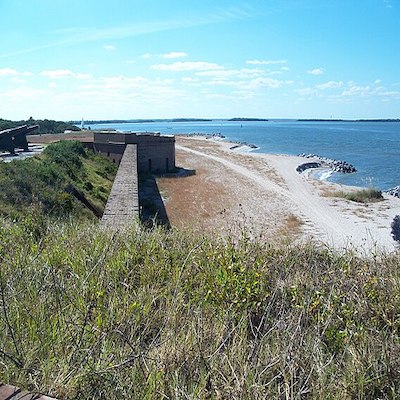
(22, 93)
(267, 82)
(64, 73)
(233, 73)
(13, 72)
(306, 92)
(316, 71)
(356, 90)
(390, 94)
(109, 47)
(330, 85)
(190, 80)
(186, 66)
(252, 84)
(145, 56)
(388, 3)
(174, 54)
(8, 72)
(120, 84)
(265, 62)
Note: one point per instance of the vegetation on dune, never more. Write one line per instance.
(45, 125)
(360, 196)
(54, 180)
(163, 314)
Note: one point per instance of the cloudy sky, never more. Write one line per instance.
(129, 59)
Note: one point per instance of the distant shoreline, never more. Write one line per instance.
(235, 119)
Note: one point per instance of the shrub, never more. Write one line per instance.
(361, 196)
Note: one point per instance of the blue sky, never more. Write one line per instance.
(216, 59)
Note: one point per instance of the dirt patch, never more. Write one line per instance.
(217, 198)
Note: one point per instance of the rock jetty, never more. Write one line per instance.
(215, 135)
(394, 191)
(241, 144)
(336, 165)
(302, 167)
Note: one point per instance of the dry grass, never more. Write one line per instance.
(292, 226)
(83, 136)
(358, 196)
(155, 314)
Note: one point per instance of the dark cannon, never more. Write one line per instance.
(13, 138)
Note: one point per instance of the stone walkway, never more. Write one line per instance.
(122, 207)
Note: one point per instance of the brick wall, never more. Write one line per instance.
(155, 153)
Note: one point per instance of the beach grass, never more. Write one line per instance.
(92, 314)
(369, 195)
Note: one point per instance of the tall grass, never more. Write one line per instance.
(369, 195)
(90, 314)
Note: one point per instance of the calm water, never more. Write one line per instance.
(372, 147)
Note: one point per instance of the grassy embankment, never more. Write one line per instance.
(58, 183)
(89, 314)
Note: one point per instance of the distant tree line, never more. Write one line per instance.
(139, 121)
(45, 125)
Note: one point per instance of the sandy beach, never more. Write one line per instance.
(236, 191)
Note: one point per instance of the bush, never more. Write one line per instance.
(361, 196)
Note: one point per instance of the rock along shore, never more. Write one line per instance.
(394, 191)
(336, 165)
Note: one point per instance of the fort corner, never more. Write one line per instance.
(155, 152)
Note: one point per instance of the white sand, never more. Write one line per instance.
(337, 222)
(270, 189)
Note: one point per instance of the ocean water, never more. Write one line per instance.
(372, 147)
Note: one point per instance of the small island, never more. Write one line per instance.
(237, 119)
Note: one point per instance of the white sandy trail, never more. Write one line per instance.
(247, 173)
(331, 225)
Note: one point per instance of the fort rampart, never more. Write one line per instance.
(155, 153)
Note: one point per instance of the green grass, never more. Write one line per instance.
(44, 180)
(90, 314)
(361, 196)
